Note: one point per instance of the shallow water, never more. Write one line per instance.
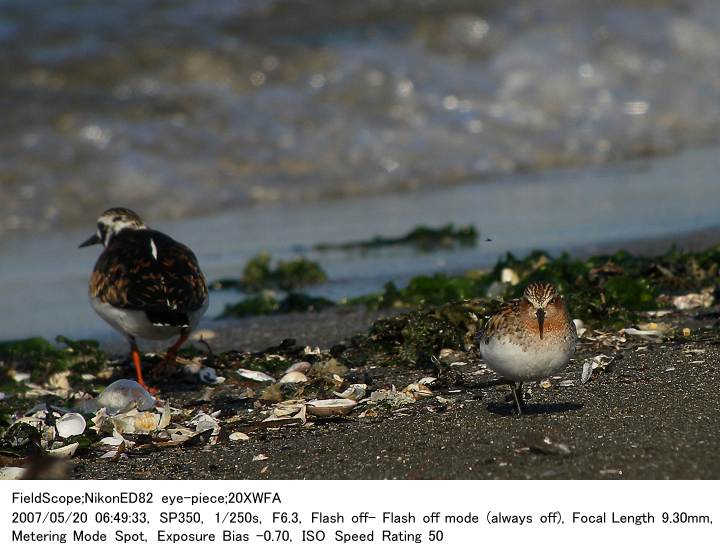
(189, 107)
(43, 276)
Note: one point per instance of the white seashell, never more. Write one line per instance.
(65, 451)
(239, 437)
(294, 376)
(256, 376)
(298, 367)
(427, 380)
(586, 372)
(209, 376)
(354, 392)
(636, 332)
(70, 424)
(261, 457)
(326, 408)
(509, 276)
(165, 417)
(11, 473)
(125, 394)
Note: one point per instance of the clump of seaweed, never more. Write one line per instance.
(268, 303)
(260, 274)
(39, 358)
(422, 238)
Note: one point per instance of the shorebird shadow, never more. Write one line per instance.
(533, 408)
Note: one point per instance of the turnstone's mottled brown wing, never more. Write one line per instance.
(149, 271)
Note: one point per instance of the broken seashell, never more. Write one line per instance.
(427, 380)
(255, 376)
(418, 391)
(261, 457)
(64, 451)
(123, 395)
(647, 333)
(586, 372)
(301, 367)
(327, 408)
(294, 376)
(203, 422)
(70, 424)
(11, 473)
(694, 300)
(239, 437)
(354, 392)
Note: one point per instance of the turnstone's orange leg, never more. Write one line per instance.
(168, 362)
(135, 353)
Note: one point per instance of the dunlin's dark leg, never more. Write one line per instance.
(518, 398)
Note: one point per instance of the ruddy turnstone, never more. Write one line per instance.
(145, 284)
(529, 338)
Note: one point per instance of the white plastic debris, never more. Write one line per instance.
(123, 395)
(239, 437)
(328, 408)
(255, 376)
(70, 424)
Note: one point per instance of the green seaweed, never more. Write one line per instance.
(268, 303)
(422, 238)
(260, 274)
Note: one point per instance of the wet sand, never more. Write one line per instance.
(652, 414)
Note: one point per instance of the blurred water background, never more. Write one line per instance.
(246, 124)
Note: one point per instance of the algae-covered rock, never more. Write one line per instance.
(422, 238)
(414, 338)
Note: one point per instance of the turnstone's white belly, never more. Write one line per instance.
(526, 363)
(131, 322)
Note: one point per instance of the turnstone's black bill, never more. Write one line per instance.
(145, 284)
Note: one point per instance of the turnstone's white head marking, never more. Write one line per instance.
(529, 338)
(111, 223)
